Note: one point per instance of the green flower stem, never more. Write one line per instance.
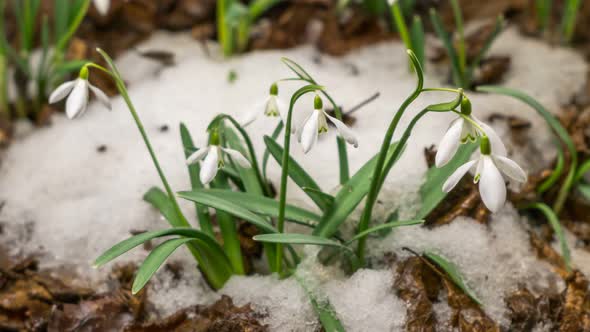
(252, 152)
(461, 50)
(376, 178)
(342, 152)
(285, 170)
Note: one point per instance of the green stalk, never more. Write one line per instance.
(568, 23)
(342, 151)
(224, 34)
(376, 178)
(461, 49)
(543, 11)
(285, 170)
(400, 24)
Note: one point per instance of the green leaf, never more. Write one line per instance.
(323, 309)
(258, 204)
(229, 207)
(557, 229)
(582, 170)
(447, 106)
(348, 197)
(555, 174)
(193, 172)
(327, 197)
(292, 238)
(431, 190)
(298, 174)
(453, 272)
(298, 70)
(158, 199)
(132, 242)
(67, 67)
(247, 175)
(584, 189)
(417, 36)
(258, 7)
(381, 227)
(443, 35)
(154, 260)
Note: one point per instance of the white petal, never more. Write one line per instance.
(102, 6)
(101, 96)
(449, 144)
(249, 117)
(478, 170)
(344, 131)
(491, 185)
(510, 168)
(498, 147)
(196, 156)
(457, 176)
(78, 99)
(237, 157)
(309, 132)
(209, 166)
(61, 91)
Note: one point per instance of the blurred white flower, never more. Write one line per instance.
(102, 6)
(490, 167)
(316, 124)
(213, 160)
(273, 106)
(77, 101)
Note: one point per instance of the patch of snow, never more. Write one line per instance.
(493, 260)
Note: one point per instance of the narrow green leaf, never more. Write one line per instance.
(447, 106)
(584, 189)
(132, 242)
(453, 272)
(327, 197)
(324, 310)
(568, 22)
(247, 175)
(258, 204)
(400, 24)
(555, 174)
(443, 35)
(158, 199)
(229, 207)
(348, 197)
(557, 229)
(582, 170)
(381, 227)
(292, 238)
(297, 174)
(431, 190)
(258, 7)
(418, 40)
(154, 260)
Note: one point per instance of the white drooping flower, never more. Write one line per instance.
(316, 124)
(273, 106)
(78, 91)
(463, 129)
(213, 160)
(102, 6)
(488, 174)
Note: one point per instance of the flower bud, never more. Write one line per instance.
(465, 106)
(318, 104)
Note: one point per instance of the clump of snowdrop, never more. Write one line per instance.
(78, 93)
(316, 124)
(212, 157)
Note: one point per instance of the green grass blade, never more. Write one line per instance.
(348, 197)
(555, 174)
(486, 47)
(568, 22)
(443, 35)
(431, 190)
(557, 229)
(292, 238)
(193, 172)
(461, 49)
(401, 26)
(323, 309)
(258, 7)
(132, 242)
(582, 170)
(543, 13)
(297, 174)
(229, 207)
(79, 13)
(453, 273)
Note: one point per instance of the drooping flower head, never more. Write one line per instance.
(465, 128)
(272, 106)
(77, 92)
(212, 156)
(316, 124)
(488, 174)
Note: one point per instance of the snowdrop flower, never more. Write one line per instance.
(463, 129)
(391, 2)
(213, 160)
(77, 101)
(316, 124)
(273, 106)
(490, 167)
(102, 6)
